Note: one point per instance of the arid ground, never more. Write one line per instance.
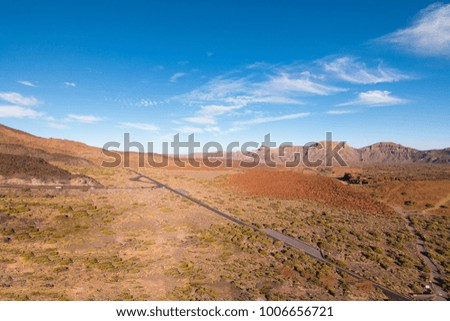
(73, 230)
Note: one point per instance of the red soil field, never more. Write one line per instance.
(294, 185)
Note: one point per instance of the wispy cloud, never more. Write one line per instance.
(70, 84)
(255, 87)
(206, 119)
(262, 120)
(26, 83)
(87, 119)
(225, 95)
(340, 112)
(212, 129)
(354, 71)
(198, 130)
(213, 111)
(176, 76)
(278, 88)
(135, 102)
(57, 125)
(190, 130)
(146, 102)
(18, 112)
(218, 90)
(285, 84)
(141, 126)
(261, 85)
(429, 34)
(375, 98)
(18, 99)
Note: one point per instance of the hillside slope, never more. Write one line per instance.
(25, 170)
(41, 147)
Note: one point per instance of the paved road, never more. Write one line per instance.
(317, 254)
(196, 201)
(307, 248)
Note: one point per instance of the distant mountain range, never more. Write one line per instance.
(379, 153)
(16, 142)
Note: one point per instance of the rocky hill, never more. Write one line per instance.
(395, 153)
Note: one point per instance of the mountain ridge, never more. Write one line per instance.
(377, 153)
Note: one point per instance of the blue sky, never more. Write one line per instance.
(89, 71)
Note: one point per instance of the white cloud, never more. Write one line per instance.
(147, 103)
(70, 84)
(87, 119)
(18, 99)
(217, 90)
(429, 34)
(271, 100)
(135, 102)
(18, 112)
(284, 83)
(26, 83)
(262, 120)
(340, 112)
(190, 130)
(209, 120)
(176, 76)
(351, 70)
(198, 130)
(375, 98)
(212, 129)
(57, 125)
(141, 126)
(216, 110)
(258, 86)
(223, 96)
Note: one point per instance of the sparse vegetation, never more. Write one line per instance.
(145, 243)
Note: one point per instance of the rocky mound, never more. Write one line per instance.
(25, 170)
(20, 150)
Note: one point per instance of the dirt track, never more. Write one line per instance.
(423, 253)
